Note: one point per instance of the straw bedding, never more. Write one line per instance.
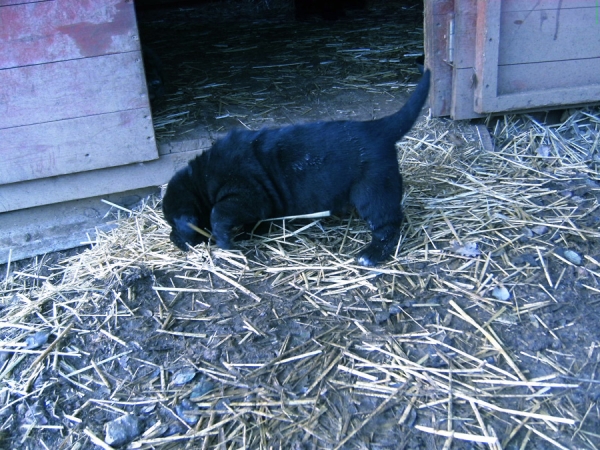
(287, 342)
(481, 332)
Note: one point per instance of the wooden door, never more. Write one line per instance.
(497, 56)
(73, 96)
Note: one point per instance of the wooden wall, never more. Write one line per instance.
(73, 96)
(512, 55)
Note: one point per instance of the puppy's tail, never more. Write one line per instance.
(397, 125)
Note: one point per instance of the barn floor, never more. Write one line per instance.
(481, 332)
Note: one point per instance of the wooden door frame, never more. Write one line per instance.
(487, 47)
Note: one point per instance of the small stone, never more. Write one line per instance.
(469, 249)
(201, 388)
(577, 199)
(148, 409)
(37, 340)
(382, 316)
(501, 293)
(543, 151)
(186, 410)
(395, 309)
(527, 232)
(540, 229)
(184, 376)
(573, 257)
(122, 430)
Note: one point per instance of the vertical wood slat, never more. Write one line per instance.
(463, 74)
(465, 23)
(487, 43)
(438, 15)
(463, 93)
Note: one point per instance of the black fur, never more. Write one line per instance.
(248, 176)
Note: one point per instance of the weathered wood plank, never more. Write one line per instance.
(16, 2)
(577, 74)
(544, 99)
(463, 73)
(579, 82)
(487, 44)
(201, 142)
(75, 145)
(513, 32)
(34, 193)
(67, 89)
(465, 21)
(537, 5)
(549, 35)
(58, 30)
(463, 93)
(510, 87)
(438, 16)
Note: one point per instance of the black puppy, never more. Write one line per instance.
(248, 176)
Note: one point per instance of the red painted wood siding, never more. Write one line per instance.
(73, 96)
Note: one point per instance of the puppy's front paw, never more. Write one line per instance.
(179, 241)
(182, 234)
(373, 255)
(222, 231)
(224, 243)
(364, 259)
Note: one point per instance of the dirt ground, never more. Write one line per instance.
(481, 332)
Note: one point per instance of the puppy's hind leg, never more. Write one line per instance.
(384, 238)
(380, 206)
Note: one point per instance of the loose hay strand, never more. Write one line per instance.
(456, 435)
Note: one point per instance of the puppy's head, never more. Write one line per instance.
(183, 206)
